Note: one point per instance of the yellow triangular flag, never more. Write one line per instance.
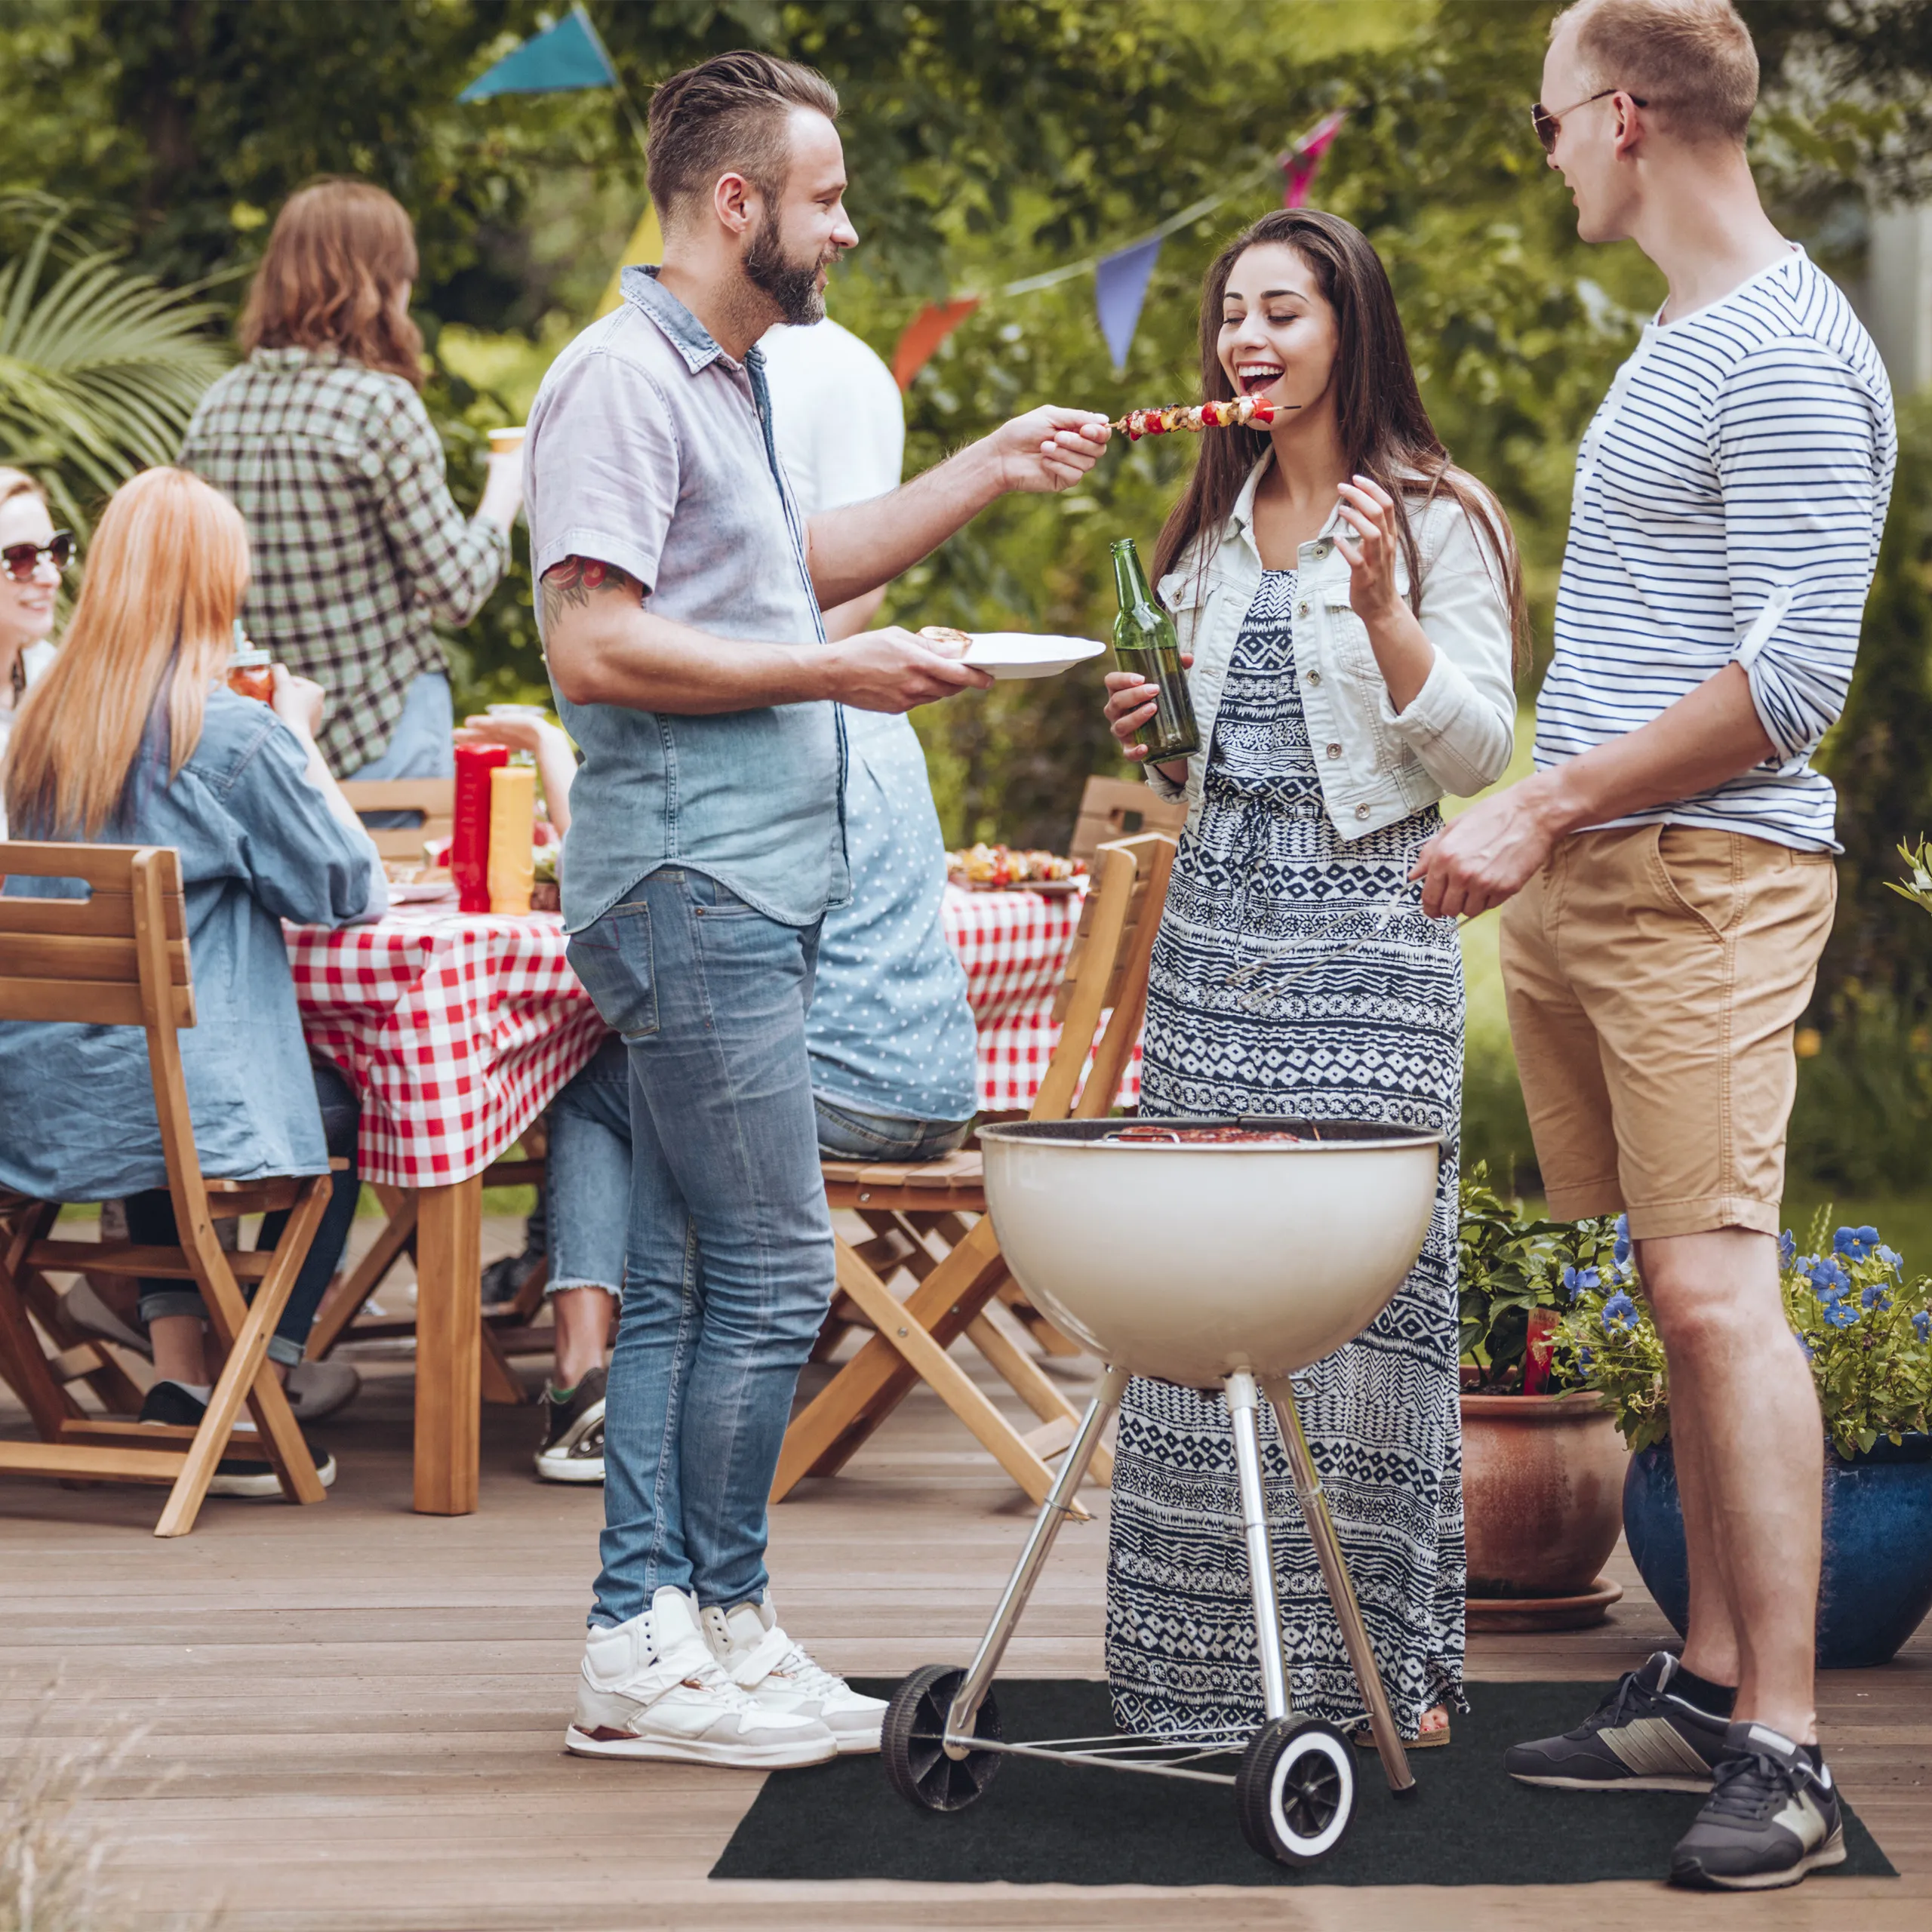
(646, 245)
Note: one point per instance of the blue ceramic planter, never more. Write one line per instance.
(1876, 1582)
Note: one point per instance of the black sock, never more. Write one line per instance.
(1718, 1699)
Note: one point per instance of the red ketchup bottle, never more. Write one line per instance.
(469, 836)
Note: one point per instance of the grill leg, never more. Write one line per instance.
(1341, 1591)
(1242, 1399)
(1054, 1512)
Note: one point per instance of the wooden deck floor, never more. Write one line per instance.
(357, 1712)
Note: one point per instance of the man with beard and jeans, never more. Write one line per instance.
(680, 600)
(1669, 875)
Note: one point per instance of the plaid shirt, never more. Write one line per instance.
(356, 546)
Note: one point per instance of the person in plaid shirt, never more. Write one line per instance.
(321, 439)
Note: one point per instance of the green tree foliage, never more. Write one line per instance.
(100, 368)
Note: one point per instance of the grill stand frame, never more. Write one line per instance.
(1244, 1395)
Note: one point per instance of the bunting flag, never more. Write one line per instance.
(646, 245)
(567, 56)
(1120, 276)
(563, 59)
(1120, 287)
(1300, 164)
(924, 333)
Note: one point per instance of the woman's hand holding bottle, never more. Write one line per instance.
(1131, 702)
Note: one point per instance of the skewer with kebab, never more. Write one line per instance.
(1236, 412)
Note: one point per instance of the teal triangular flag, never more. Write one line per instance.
(568, 55)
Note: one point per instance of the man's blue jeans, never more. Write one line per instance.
(728, 1271)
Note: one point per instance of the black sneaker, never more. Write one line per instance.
(503, 1279)
(1640, 1738)
(1771, 1816)
(234, 1475)
(572, 1448)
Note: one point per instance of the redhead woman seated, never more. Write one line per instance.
(131, 737)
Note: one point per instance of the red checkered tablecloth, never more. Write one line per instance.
(458, 1032)
(1014, 947)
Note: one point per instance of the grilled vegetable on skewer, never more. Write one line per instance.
(1235, 413)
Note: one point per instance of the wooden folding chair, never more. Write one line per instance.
(119, 958)
(434, 798)
(906, 1205)
(1114, 808)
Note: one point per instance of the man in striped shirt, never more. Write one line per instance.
(1668, 876)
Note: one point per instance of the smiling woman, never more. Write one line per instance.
(32, 554)
(1349, 601)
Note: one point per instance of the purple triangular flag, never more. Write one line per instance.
(1120, 287)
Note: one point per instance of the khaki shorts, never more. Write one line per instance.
(1654, 974)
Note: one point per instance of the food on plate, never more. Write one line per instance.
(944, 634)
(400, 872)
(1234, 414)
(1001, 865)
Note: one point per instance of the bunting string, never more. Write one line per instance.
(1120, 275)
(570, 55)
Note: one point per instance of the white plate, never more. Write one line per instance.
(419, 894)
(1020, 654)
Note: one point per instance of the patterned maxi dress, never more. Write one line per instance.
(1296, 974)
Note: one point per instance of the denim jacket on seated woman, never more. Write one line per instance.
(258, 845)
(1378, 766)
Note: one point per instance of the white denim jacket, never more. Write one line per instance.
(1377, 767)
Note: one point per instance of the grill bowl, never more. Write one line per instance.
(1190, 1262)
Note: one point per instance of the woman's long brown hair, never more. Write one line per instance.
(154, 625)
(338, 258)
(1386, 431)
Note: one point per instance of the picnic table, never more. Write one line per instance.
(459, 1030)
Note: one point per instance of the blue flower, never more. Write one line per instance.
(1810, 1351)
(1891, 1257)
(1585, 1358)
(1576, 1280)
(1787, 1248)
(1922, 1325)
(1829, 1278)
(1840, 1314)
(1621, 1248)
(1876, 1297)
(1619, 1315)
(1856, 1243)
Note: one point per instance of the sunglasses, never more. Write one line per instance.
(22, 560)
(1548, 125)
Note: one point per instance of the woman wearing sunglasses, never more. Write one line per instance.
(33, 555)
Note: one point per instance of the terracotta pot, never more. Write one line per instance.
(1542, 1493)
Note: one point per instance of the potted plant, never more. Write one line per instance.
(1543, 1470)
(1867, 1333)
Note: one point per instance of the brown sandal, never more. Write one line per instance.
(1364, 1739)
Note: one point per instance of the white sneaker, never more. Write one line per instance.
(783, 1676)
(651, 1688)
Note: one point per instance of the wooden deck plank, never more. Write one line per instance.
(366, 1705)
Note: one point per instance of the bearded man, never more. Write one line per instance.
(680, 595)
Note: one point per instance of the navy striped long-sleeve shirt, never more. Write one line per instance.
(1730, 494)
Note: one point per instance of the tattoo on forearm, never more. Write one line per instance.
(572, 582)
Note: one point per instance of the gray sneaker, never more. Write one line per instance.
(572, 1448)
(1772, 1816)
(1641, 1737)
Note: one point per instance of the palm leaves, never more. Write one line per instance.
(99, 369)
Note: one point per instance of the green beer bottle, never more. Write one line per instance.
(1144, 643)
